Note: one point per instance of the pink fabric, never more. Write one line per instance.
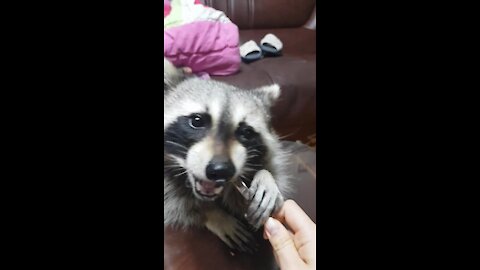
(210, 47)
(166, 8)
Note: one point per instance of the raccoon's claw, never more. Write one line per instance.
(233, 233)
(265, 199)
(239, 238)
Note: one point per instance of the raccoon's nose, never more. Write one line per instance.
(220, 170)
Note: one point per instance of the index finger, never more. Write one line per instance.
(294, 217)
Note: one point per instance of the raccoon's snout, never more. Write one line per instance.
(220, 170)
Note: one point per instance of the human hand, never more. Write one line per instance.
(295, 249)
(187, 70)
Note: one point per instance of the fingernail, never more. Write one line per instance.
(271, 227)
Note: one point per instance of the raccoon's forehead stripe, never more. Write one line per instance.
(224, 129)
(216, 110)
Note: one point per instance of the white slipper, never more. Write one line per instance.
(250, 51)
(271, 45)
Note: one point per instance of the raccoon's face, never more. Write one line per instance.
(215, 134)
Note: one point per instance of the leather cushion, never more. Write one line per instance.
(256, 14)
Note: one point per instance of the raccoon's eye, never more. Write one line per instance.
(197, 121)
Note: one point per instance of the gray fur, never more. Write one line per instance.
(224, 216)
(171, 75)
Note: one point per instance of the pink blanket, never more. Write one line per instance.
(200, 37)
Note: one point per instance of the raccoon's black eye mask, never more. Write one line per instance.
(186, 131)
(247, 135)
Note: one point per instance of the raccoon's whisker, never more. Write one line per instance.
(182, 152)
(172, 133)
(173, 166)
(250, 171)
(286, 136)
(177, 175)
(178, 152)
(253, 165)
(243, 176)
(177, 144)
(174, 160)
(177, 169)
(180, 168)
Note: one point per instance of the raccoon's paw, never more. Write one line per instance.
(232, 232)
(265, 199)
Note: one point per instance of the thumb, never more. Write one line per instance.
(283, 246)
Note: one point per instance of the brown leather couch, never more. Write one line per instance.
(294, 23)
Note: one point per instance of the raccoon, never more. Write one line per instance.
(215, 135)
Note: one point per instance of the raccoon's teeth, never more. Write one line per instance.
(218, 190)
(198, 186)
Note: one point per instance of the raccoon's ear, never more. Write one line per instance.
(269, 94)
(171, 75)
